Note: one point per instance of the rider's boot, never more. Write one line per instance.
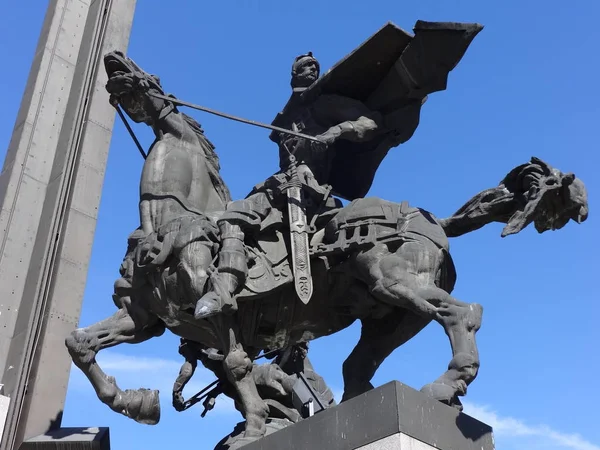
(230, 275)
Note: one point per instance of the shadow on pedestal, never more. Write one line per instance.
(70, 439)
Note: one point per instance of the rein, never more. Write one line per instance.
(131, 133)
(235, 118)
(175, 101)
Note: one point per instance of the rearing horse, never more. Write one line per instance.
(383, 263)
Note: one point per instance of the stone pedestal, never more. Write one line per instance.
(393, 416)
(70, 439)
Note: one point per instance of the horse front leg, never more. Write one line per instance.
(238, 369)
(142, 405)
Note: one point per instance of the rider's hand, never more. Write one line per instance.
(327, 138)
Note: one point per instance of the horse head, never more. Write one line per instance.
(548, 197)
(132, 88)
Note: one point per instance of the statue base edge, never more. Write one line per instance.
(393, 416)
(92, 438)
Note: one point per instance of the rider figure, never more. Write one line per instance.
(329, 118)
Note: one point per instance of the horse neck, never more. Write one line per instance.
(209, 191)
(213, 192)
(173, 125)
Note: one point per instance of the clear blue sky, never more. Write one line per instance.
(529, 85)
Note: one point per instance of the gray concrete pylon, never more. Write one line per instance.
(50, 189)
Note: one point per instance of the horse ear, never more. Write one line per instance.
(521, 218)
(156, 79)
(516, 223)
(545, 167)
(568, 179)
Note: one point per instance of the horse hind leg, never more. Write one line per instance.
(378, 339)
(83, 344)
(460, 321)
(394, 280)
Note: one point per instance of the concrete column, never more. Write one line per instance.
(50, 190)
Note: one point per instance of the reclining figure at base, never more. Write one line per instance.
(275, 380)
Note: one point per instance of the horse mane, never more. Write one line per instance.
(213, 165)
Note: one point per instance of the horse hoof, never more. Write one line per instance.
(356, 391)
(444, 394)
(143, 406)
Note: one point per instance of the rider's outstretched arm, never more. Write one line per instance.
(355, 121)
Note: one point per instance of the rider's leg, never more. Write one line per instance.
(231, 275)
(241, 216)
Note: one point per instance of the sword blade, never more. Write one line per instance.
(300, 245)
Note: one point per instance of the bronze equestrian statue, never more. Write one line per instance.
(233, 275)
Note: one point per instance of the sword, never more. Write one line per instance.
(299, 237)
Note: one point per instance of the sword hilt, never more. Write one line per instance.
(292, 164)
(293, 167)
